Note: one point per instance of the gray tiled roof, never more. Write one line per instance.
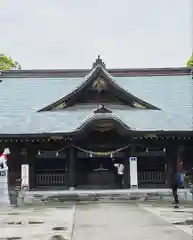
(20, 99)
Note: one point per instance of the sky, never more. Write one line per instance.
(68, 34)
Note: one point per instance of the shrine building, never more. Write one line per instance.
(68, 125)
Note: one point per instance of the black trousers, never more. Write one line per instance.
(175, 194)
(120, 180)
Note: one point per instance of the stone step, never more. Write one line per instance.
(44, 197)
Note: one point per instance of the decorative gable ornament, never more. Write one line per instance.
(61, 106)
(101, 109)
(100, 84)
(138, 105)
(98, 61)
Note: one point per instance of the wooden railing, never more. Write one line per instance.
(51, 178)
(155, 177)
(61, 178)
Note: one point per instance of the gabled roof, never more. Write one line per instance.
(96, 72)
(94, 119)
(21, 98)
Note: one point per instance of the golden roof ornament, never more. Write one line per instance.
(99, 84)
(138, 105)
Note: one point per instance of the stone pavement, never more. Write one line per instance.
(89, 195)
(39, 223)
(123, 221)
(96, 220)
(181, 218)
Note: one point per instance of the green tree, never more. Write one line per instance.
(190, 61)
(7, 63)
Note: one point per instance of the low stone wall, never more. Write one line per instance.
(137, 194)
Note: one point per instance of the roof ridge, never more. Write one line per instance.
(76, 73)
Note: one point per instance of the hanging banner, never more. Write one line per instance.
(133, 172)
(25, 176)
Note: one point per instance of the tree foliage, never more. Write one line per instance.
(7, 63)
(190, 61)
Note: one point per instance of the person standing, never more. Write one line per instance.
(120, 171)
(176, 183)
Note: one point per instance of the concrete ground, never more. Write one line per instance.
(36, 223)
(96, 220)
(181, 218)
(122, 221)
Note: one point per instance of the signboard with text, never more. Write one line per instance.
(133, 172)
(25, 176)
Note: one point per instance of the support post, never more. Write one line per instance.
(180, 158)
(169, 163)
(24, 171)
(131, 154)
(71, 168)
(169, 167)
(173, 158)
(126, 169)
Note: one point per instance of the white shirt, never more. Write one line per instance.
(120, 168)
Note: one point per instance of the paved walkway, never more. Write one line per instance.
(121, 221)
(96, 221)
(42, 223)
(177, 217)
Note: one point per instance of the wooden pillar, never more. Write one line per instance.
(31, 159)
(174, 159)
(14, 164)
(180, 158)
(24, 154)
(169, 159)
(72, 172)
(126, 169)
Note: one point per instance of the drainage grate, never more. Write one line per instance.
(187, 222)
(16, 213)
(183, 211)
(60, 228)
(11, 238)
(15, 223)
(35, 222)
(58, 237)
